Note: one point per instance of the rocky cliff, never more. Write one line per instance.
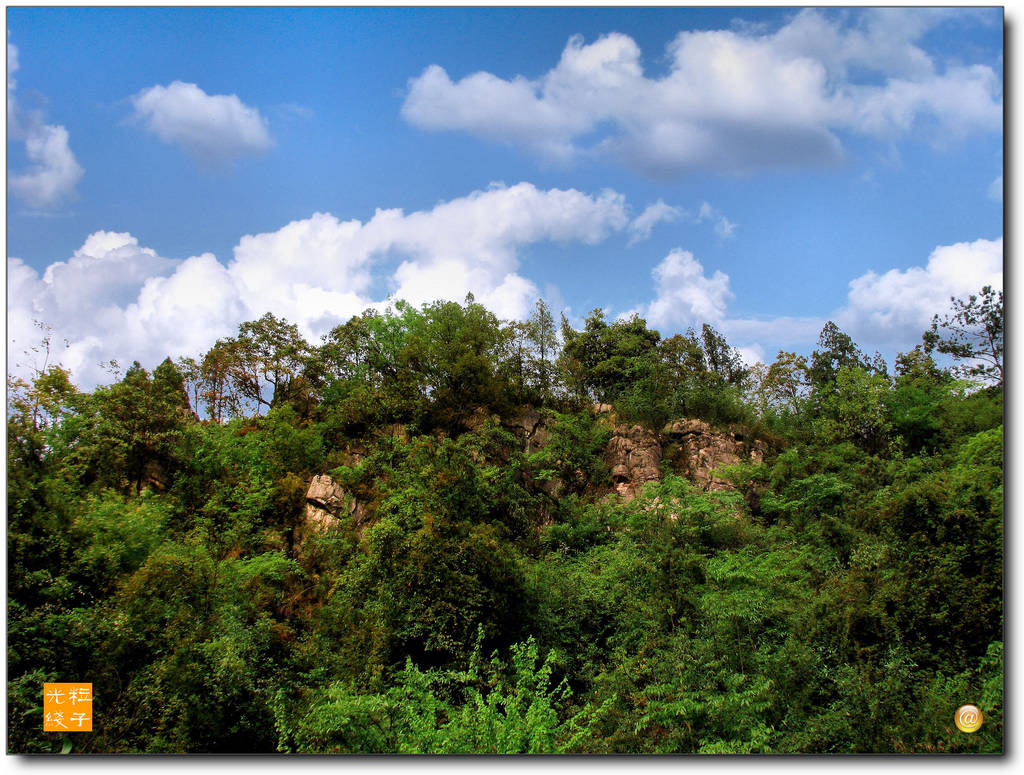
(634, 455)
(690, 447)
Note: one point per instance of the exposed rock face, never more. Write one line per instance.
(326, 501)
(325, 493)
(634, 456)
(478, 419)
(530, 428)
(704, 448)
(693, 448)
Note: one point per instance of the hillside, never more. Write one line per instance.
(436, 531)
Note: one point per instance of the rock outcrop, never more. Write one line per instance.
(634, 457)
(692, 448)
(701, 449)
(530, 428)
(327, 502)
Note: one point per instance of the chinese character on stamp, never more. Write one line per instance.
(67, 707)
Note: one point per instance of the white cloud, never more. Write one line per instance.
(469, 244)
(886, 311)
(641, 226)
(685, 294)
(214, 129)
(723, 226)
(782, 331)
(54, 172)
(897, 306)
(108, 270)
(751, 355)
(115, 299)
(733, 100)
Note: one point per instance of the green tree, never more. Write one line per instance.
(219, 379)
(722, 359)
(836, 350)
(604, 359)
(543, 336)
(135, 427)
(972, 333)
(273, 354)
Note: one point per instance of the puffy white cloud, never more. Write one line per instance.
(897, 306)
(85, 299)
(469, 244)
(109, 269)
(53, 172)
(733, 100)
(213, 128)
(886, 311)
(183, 313)
(685, 294)
(115, 299)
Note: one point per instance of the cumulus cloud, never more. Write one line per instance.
(887, 311)
(469, 244)
(53, 171)
(897, 306)
(110, 300)
(116, 299)
(214, 129)
(685, 294)
(733, 100)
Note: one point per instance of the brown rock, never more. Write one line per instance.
(478, 419)
(527, 420)
(318, 519)
(531, 428)
(326, 494)
(327, 502)
(705, 448)
(634, 456)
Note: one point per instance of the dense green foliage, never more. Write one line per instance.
(489, 593)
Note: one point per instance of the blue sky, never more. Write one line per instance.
(172, 172)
